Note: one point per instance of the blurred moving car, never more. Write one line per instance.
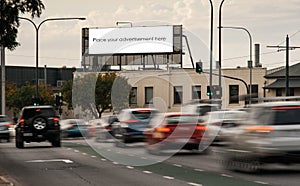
(175, 131)
(6, 128)
(270, 134)
(132, 124)
(102, 128)
(200, 108)
(74, 128)
(221, 124)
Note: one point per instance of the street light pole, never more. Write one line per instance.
(211, 44)
(250, 53)
(220, 41)
(37, 27)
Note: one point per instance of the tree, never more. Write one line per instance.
(17, 98)
(96, 93)
(66, 91)
(9, 18)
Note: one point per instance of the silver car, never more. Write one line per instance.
(270, 134)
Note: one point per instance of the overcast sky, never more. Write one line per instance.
(269, 22)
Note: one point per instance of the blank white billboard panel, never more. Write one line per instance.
(131, 40)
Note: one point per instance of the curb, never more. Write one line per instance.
(5, 182)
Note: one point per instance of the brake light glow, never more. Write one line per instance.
(130, 121)
(22, 120)
(260, 128)
(286, 108)
(163, 129)
(56, 119)
(200, 127)
(9, 125)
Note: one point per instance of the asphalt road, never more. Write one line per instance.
(76, 163)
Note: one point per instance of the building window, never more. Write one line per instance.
(177, 94)
(233, 94)
(133, 96)
(60, 83)
(148, 95)
(196, 92)
(279, 92)
(41, 82)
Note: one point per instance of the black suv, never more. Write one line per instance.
(37, 124)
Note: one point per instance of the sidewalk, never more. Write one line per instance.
(5, 182)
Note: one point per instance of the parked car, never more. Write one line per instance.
(101, 128)
(74, 128)
(37, 124)
(6, 128)
(175, 131)
(270, 134)
(221, 124)
(132, 124)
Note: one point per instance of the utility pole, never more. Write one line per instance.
(3, 79)
(287, 48)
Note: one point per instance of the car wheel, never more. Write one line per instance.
(39, 123)
(19, 141)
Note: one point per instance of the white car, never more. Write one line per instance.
(6, 128)
(221, 124)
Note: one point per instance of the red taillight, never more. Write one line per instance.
(130, 121)
(22, 120)
(56, 120)
(163, 129)
(9, 125)
(260, 128)
(286, 108)
(200, 127)
(107, 127)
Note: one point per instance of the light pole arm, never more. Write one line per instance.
(250, 37)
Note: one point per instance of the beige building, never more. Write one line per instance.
(169, 89)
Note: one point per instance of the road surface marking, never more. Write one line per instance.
(199, 170)
(226, 175)
(53, 160)
(147, 172)
(194, 184)
(129, 167)
(168, 177)
(176, 165)
(261, 182)
(93, 156)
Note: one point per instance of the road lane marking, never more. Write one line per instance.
(93, 156)
(53, 160)
(177, 165)
(199, 170)
(147, 172)
(226, 175)
(103, 159)
(168, 177)
(194, 184)
(130, 167)
(261, 182)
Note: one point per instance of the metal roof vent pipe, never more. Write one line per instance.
(257, 55)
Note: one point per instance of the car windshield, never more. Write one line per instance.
(142, 114)
(182, 119)
(287, 115)
(29, 113)
(202, 110)
(4, 119)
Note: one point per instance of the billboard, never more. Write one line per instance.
(130, 40)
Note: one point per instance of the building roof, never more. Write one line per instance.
(294, 71)
(280, 83)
